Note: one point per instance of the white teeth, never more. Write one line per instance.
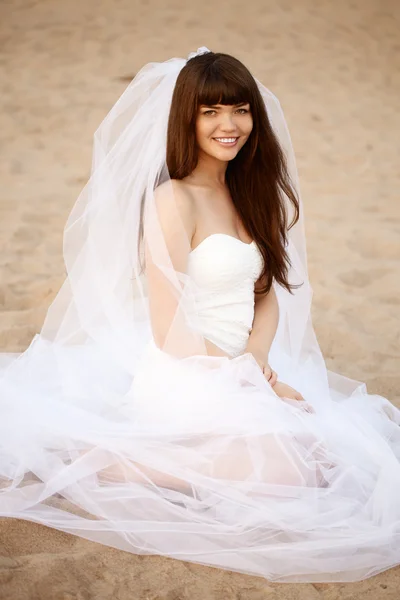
(226, 140)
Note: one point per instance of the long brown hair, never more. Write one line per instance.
(258, 174)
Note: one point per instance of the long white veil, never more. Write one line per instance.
(231, 476)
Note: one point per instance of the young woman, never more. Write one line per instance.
(176, 401)
(219, 142)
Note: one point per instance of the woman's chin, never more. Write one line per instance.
(224, 154)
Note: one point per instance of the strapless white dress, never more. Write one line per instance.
(225, 270)
(234, 477)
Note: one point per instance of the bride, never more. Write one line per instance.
(176, 401)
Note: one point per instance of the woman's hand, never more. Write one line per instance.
(270, 375)
(283, 390)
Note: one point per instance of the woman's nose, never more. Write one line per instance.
(228, 123)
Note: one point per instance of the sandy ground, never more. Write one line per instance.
(335, 66)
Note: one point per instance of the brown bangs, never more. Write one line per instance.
(220, 87)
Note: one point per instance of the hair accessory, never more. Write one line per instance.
(201, 50)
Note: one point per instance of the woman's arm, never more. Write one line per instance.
(265, 324)
(167, 247)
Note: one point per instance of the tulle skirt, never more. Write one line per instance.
(199, 459)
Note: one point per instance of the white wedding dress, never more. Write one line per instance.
(225, 270)
(182, 461)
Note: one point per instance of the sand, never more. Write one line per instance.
(335, 65)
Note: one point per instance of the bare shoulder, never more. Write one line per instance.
(174, 190)
(174, 199)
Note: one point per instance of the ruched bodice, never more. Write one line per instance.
(224, 270)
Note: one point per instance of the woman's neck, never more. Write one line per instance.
(209, 171)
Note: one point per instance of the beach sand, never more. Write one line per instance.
(335, 66)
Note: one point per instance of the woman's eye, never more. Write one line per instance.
(210, 112)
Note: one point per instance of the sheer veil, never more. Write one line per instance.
(77, 454)
(104, 295)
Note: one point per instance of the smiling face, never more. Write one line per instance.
(222, 130)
